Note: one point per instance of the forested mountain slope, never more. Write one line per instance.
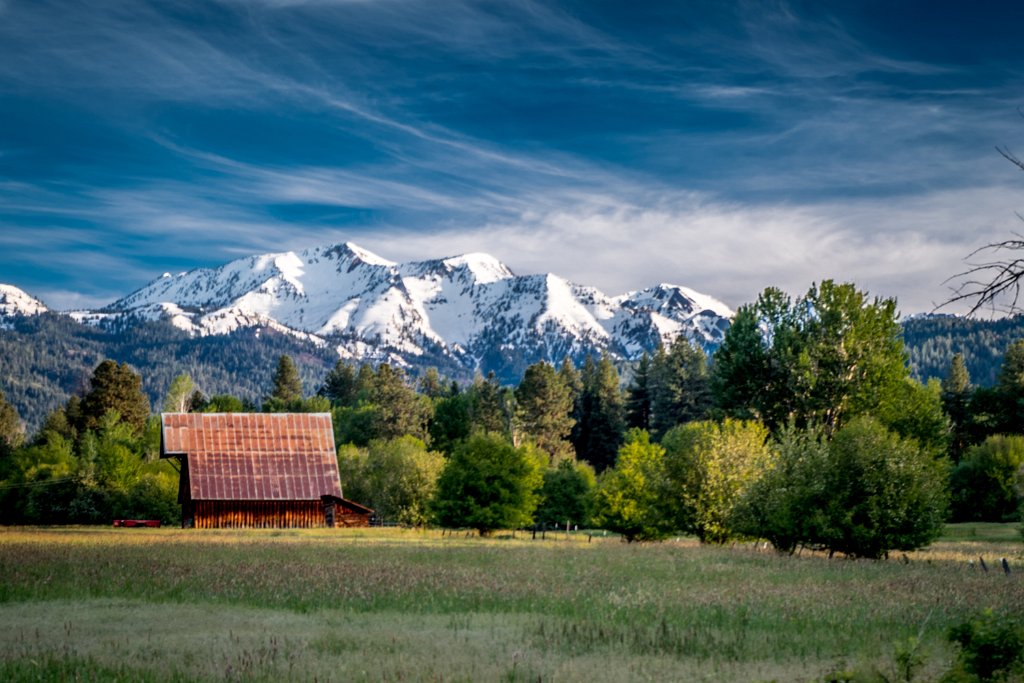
(933, 340)
(46, 358)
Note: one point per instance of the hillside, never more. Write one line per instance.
(933, 340)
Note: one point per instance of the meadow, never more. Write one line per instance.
(87, 603)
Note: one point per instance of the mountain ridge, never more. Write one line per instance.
(470, 309)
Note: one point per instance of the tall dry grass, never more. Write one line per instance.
(413, 605)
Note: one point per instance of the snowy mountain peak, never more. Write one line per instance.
(15, 301)
(484, 267)
(367, 256)
(468, 311)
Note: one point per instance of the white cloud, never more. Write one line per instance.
(733, 252)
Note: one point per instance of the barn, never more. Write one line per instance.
(258, 470)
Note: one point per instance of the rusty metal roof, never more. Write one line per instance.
(254, 456)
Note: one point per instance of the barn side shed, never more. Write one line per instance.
(257, 470)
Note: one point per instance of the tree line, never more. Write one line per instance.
(805, 428)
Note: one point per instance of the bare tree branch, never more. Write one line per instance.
(990, 284)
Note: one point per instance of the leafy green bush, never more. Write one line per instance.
(866, 492)
(991, 648)
(984, 485)
(567, 494)
(488, 484)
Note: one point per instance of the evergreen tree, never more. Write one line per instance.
(1011, 374)
(431, 385)
(599, 414)
(956, 397)
(638, 400)
(399, 410)
(11, 436)
(114, 387)
(339, 385)
(543, 410)
(680, 391)
(287, 385)
(486, 406)
(572, 378)
(741, 367)
(1011, 389)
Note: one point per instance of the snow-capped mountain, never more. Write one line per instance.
(14, 301)
(469, 309)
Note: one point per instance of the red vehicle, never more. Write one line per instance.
(137, 522)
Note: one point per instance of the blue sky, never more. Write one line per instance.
(726, 146)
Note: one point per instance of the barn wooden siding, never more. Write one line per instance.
(257, 514)
(341, 513)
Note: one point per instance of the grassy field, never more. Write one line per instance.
(403, 605)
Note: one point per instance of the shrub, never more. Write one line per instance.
(984, 485)
(991, 647)
(863, 494)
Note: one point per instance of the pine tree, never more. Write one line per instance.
(114, 387)
(544, 410)
(740, 371)
(956, 398)
(486, 406)
(638, 400)
(287, 384)
(431, 384)
(1011, 389)
(600, 420)
(11, 430)
(680, 392)
(957, 379)
(399, 410)
(339, 385)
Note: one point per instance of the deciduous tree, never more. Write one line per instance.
(567, 494)
(708, 467)
(487, 484)
(629, 499)
(397, 478)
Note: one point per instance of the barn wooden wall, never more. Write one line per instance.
(276, 514)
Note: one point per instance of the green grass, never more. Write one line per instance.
(373, 605)
(989, 532)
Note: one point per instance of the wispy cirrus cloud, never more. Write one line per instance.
(726, 147)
